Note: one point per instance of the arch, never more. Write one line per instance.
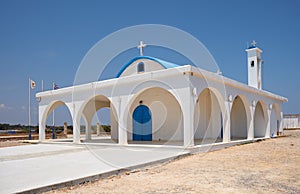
(260, 120)
(90, 107)
(142, 124)
(48, 110)
(51, 106)
(239, 118)
(167, 117)
(275, 120)
(208, 117)
(153, 84)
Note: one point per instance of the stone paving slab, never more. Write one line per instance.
(25, 168)
(32, 149)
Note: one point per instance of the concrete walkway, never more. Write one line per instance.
(25, 168)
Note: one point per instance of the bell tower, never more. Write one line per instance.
(254, 66)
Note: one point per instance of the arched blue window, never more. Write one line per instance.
(141, 67)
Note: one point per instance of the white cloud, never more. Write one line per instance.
(4, 107)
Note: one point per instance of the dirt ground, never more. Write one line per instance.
(11, 143)
(270, 166)
(9, 140)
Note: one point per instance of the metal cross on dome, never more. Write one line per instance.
(253, 43)
(141, 46)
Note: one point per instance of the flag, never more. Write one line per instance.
(32, 84)
(55, 86)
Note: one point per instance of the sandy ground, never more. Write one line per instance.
(271, 166)
(4, 144)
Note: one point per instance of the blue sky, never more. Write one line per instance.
(46, 40)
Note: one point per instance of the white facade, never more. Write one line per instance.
(291, 121)
(254, 67)
(185, 104)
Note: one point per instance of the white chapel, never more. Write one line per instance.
(156, 101)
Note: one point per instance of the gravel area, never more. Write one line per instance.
(270, 166)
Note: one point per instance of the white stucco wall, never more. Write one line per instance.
(207, 121)
(149, 65)
(166, 107)
(113, 124)
(260, 121)
(274, 121)
(167, 121)
(239, 128)
(254, 72)
(291, 122)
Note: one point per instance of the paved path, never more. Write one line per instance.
(28, 167)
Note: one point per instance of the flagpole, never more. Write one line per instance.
(42, 85)
(29, 111)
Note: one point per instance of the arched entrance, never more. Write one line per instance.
(56, 115)
(260, 121)
(208, 118)
(142, 124)
(164, 113)
(101, 125)
(238, 120)
(274, 120)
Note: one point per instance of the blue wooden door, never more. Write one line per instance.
(142, 124)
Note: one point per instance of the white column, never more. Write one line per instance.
(226, 121)
(87, 115)
(42, 134)
(98, 129)
(76, 131)
(88, 131)
(188, 107)
(268, 129)
(250, 135)
(121, 104)
(76, 124)
(65, 129)
(281, 122)
(88, 127)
